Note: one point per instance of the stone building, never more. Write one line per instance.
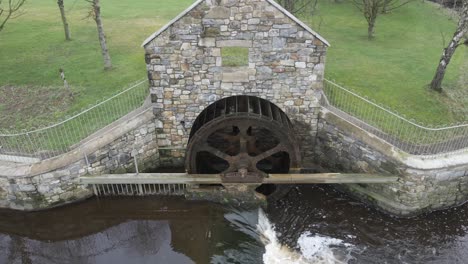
(212, 51)
(220, 48)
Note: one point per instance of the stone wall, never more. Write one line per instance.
(185, 65)
(29, 190)
(425, 183)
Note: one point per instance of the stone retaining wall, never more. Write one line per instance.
(27, 190)
(425, 184)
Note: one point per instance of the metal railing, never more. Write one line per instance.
(140, 189)
(46, 142)
(49, 141)
(402, 133)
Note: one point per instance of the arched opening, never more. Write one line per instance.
(243, 137)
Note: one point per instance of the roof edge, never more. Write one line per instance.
(295, 19)
(161, 30)
(272, 2)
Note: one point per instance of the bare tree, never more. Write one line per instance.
(95, 12)
(460, 37)
(385, 6)
(299, 6)
(372, 8)
(9, 9)
(64, 19)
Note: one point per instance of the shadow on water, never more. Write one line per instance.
(125, 230)
(173, 230)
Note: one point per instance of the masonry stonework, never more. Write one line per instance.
(60, 186)
(285, 66)
(428, 185)
(185, 65)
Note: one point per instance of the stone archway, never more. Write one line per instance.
(243, 138)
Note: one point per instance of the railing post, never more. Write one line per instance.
(135, 160)
(86, 158)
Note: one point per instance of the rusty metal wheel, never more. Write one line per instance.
(243, 138)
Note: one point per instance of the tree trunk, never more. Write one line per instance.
(101, 35)
(436, 83)
(64, 20)
(460, 33)
(371, 29)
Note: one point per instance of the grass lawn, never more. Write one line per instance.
(32, 49)
(393, 70)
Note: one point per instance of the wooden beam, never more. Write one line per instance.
(316, 178)
(184, 178)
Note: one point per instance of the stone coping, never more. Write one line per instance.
(89, 145)
(412, 161)
(273, 3)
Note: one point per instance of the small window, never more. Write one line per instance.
(235, 56)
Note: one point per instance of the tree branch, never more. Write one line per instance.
(391, 8)
(12, 11)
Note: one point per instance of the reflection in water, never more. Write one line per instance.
(312, 224)
(142, 240)
(124, 230)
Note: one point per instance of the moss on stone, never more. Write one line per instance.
(210, 32)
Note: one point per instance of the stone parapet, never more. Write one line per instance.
(425, 184)
(55, 182)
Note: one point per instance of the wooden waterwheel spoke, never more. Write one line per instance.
(218, 153)
(243, 128)
(226, 136)
(243, 137)
(268, 153)
(243, 145)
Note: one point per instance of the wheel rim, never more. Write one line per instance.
(242, 138)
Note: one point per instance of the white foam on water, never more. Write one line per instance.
(322, 249)
(314, 249)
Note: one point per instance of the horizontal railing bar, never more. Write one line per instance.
(76, 115)
(184, 178)
(392, 113)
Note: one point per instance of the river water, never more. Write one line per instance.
(312, 224)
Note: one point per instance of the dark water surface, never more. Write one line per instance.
(173, 230)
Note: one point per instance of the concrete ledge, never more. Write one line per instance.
(235, 74)
(426, 183)
(89, 145)
(409, 160)
(234, 43)
(13, 158)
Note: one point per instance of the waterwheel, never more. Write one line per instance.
(243, 138)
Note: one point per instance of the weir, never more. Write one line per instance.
(143, 184)
(185, 178)
(177, 183)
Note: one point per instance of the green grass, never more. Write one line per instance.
(392, 70)
(57, 139)
(235, 56)
(32, 49)
(395, 68)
